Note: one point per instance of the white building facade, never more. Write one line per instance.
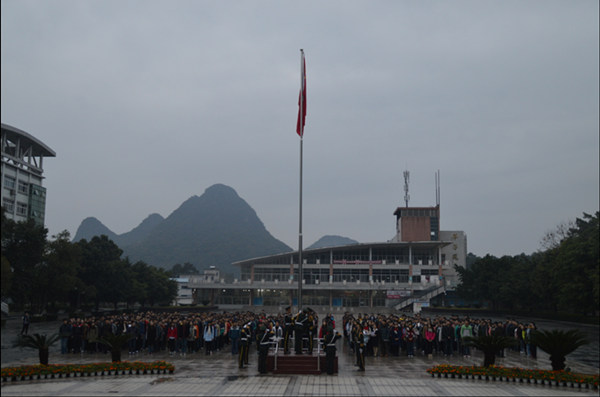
(22, 195)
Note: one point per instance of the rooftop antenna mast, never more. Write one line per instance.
(406, 195)
(437, 188)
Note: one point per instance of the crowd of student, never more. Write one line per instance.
(393, 335)
(379, 335)
(176, 333)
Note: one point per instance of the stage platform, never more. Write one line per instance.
(301, 364)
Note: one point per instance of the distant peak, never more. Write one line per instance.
(154, 216)
(219, 188)
(90, 219)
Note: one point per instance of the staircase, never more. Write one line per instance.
(424, 295)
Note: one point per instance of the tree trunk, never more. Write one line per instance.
(43, 354)
(115, 354)
(489, 359)
(558, 363)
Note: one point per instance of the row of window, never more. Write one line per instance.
(282, 298)
(314, 276)
(37, 209)
(22, 186)
(420, 212)
(389, 255)
(9, 205)
(10, 183)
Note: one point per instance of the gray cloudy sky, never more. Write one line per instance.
(147, 103)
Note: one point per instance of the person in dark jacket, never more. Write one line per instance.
(330, 349)
(299, 322)
(64, 332)
(234, 337)
(265, 336)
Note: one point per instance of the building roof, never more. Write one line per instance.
(359, 246)
(39, 148)
(401, 209)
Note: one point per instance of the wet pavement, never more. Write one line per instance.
(218, 374)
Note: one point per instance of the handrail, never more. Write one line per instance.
(276, 343)
(425, 294)
(318, 353)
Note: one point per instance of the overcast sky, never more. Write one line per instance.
(148, 103)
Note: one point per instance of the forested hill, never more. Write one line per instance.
(332, 241)
(214, 229)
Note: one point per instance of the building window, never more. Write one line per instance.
(23, 187)
(21, 209)
(9, 182)
(9, 205)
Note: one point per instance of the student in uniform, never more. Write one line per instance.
(243, 351)
(330, 338)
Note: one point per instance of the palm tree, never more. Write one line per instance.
(558, 344)
(40, 342)
(115, 344)
(490, 345)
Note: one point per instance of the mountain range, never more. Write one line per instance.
(214, 229)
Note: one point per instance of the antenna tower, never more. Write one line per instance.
(437, 188)
(406, 195)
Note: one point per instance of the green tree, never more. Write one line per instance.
(103, 269)
(6, 277)
(40, 342)
(187, 268)
(482, 281)
(490, 345)
(565, 276)
(163, 289)
(558, 344)
(515, 288)
(574, 265)
(23, 245)
(544, 282)
(115, 344)
(60, 270)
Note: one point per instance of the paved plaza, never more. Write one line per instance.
(218, 375)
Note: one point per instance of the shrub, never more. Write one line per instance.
(558, 344)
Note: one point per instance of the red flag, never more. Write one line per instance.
(302, 99)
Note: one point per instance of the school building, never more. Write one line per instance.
(404, 273)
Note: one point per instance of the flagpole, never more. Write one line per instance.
(300, 275)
